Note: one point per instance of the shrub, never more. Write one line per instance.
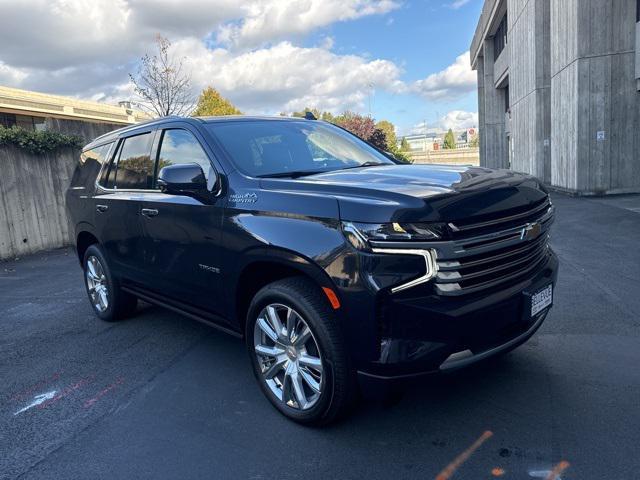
(37, 141)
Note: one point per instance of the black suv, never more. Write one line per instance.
(341, 267)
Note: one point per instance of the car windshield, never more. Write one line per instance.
(272, 148)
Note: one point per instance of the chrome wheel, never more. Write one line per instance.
(288, 356)
(97, 284)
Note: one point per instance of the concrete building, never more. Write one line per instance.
(40, 111)
(559, 91)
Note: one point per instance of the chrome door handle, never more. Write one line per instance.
(102, 208)
(149, 212)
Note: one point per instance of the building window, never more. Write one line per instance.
(27, 122)
(500, 37)
(7, 120)
(637, 10)
(506, 99)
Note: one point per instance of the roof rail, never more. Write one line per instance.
(135, 125)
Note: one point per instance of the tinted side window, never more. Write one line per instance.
(180, 146)
(135, 168)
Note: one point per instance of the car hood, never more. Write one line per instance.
(419, 193)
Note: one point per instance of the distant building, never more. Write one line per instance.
(558, 91)
(40, 111)
(434, 141)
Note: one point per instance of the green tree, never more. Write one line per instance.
(475, 141)
(211, 103)
(389, 133)
(404, 145)
(449, 141)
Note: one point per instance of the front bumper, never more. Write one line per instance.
(425, 335)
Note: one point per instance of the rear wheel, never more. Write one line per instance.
(298, 353)
(108, 300)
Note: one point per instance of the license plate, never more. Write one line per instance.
(541, 300)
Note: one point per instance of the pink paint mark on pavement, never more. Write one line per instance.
(29, 391)
(103, 392)
(67, 391)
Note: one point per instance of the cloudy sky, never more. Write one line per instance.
(402, 60)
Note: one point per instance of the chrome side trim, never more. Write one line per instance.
(431, 265)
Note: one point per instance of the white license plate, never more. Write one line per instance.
(541, 300)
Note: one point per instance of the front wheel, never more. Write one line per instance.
(298, 354)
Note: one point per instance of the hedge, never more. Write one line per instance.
(37, 141)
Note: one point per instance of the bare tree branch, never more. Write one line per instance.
(163, 87)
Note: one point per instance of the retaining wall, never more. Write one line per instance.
(33, 214)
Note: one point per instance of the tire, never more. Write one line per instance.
(335, 379)
(109, 302)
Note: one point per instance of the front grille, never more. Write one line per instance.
(495, 222)
(505, 250)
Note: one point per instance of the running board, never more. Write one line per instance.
(213, 322)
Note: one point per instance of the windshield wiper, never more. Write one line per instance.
(291, 174)
(366, 164)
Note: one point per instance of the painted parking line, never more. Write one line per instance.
(450, 469)
(557, 470)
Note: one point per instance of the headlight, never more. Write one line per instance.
(359, 234)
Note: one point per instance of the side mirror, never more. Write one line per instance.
(182, 179)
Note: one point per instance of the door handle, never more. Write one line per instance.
(102, 208)
(149, 212)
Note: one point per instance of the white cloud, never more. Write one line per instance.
(86, 48)
(66, 33)
(456, 4)
(285, 77)
(272, 20)
(455, 80)
(455, 120)
(10, 75)
(458, 120)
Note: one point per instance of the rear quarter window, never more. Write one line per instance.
(89, 165)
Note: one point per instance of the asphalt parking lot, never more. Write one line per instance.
(161, 396)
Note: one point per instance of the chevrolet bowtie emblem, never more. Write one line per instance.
(531, 231)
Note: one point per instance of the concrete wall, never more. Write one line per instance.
(87, 130)
(493, 144)
(33, 215)
(529, 87)
(594, 90)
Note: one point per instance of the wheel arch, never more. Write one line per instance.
(264, 267)
(85, 237)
